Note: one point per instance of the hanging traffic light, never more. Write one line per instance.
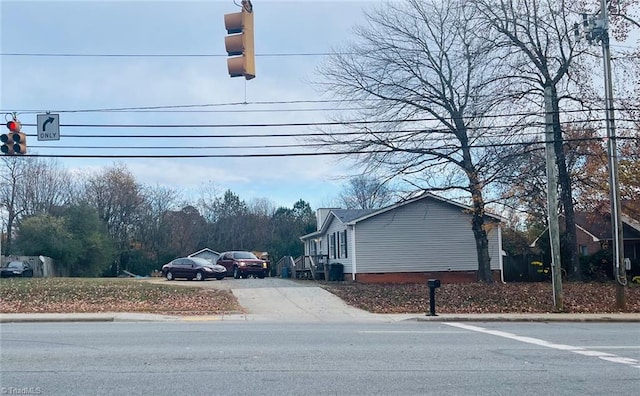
(19, 143)
(13, 141)
(240, 26)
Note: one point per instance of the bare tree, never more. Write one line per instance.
(12, 177)
(31, 186)
(153, 233)
(207, 195)
(186, 230)
(425, 78)
(117, 197)
(47, 187)
(365, 192)
(540, 48)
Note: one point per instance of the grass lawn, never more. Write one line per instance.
(479, 298)
(51, 295)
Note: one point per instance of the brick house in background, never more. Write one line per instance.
(594, 233)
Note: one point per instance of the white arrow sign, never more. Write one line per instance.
(48, 126)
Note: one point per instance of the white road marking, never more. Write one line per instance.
(612, 347)
(609, 357)
(409, 332)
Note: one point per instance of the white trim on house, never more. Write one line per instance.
(194, 254)
(501, 256)
(354, 259)
(633, 223)
(434, 234)
(409, 201)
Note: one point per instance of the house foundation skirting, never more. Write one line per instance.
(420, 277)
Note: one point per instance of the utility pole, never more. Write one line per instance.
(552, 202)
(597, 30)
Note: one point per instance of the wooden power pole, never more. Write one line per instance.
(552, 202)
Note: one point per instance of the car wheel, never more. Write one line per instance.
(236, 273)
(261, 276)
(170, 275)
(199, 276)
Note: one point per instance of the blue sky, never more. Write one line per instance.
(64, 84)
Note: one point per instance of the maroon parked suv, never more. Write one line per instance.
(243, 264)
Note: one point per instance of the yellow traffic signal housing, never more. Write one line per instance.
(240, 26)
(19, 143)
(14, 141)
(7, 143)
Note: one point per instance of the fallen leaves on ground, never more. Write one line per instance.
(484, 298)
(68, 295)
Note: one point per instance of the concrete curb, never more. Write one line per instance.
(237, 316)
(551, 317)
(85, 317)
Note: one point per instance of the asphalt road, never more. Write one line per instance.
(273, 358)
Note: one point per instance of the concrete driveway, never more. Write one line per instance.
(289, 300)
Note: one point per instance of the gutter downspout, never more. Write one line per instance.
(501, 257)
(353, 253)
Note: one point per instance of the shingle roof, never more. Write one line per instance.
(347, 215)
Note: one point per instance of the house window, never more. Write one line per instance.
(583, 250)
(332, 246)
(343, 243)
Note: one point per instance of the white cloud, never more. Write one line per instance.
(73, 83)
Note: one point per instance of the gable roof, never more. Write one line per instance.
(194, 254)
(599, 224)
(348, 215)
(353, 216)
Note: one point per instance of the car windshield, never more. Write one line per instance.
(201, 261)
(244, 255)
(14, 264)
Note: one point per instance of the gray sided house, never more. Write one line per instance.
(411, 241)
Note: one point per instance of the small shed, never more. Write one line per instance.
(43, 267)
(206, 253)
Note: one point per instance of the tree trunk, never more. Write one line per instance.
(564, 180)
(480, 233)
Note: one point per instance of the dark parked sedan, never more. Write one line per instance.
(193, 268)
(242, 264)
(16, 268)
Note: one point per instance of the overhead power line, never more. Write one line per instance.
(183, 107)
(295, 154)
(124, 55)
(296, 124)
(192, 55)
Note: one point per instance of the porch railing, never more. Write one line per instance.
(303, 267)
